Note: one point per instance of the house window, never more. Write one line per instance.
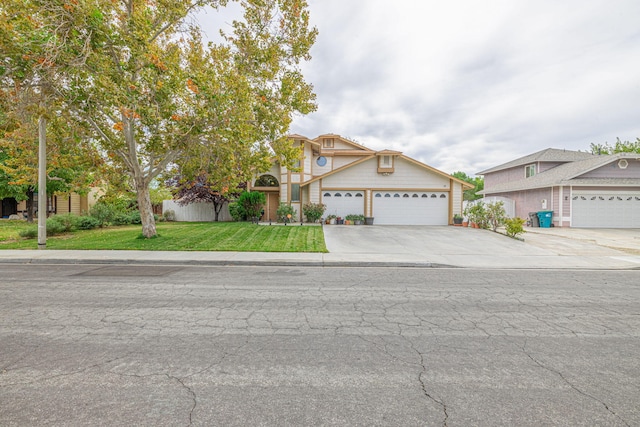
(327, 143)
(358, 194)
(327, 194)
(529, 171)
(266, 181)
(295, 192)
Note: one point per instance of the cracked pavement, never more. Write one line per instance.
(195, 346)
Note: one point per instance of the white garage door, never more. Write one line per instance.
(397, 208)
(606, 209)
(343, 203)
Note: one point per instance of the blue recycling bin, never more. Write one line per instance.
(544, 218)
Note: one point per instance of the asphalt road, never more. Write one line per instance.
(176, 346)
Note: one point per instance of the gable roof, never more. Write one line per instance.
(569, 174)
(548, 155)
(402, 156)
(343, 139)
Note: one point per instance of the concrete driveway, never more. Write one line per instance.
(467, 247)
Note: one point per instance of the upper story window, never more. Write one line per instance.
(327, 143)
(529, 170)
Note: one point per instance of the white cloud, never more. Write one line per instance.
(465, 85)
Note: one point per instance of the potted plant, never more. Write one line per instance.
(331, 219)
(339, 220)
(356, 219)
(457, 219)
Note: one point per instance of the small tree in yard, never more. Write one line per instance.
(496, 214)
(201, 190)
(313, 211)
(514, 226)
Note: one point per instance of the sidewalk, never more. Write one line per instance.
(552, 248)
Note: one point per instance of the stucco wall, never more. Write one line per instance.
(528, 201)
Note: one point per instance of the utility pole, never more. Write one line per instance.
(42, 183)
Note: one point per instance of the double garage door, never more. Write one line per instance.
(392, 207)
(605, 210)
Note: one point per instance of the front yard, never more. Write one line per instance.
(178, 236)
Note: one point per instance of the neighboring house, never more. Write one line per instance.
(582, 189)
(59, 204)
(352, 179)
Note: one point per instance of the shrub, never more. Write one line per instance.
(495, 214)
(103, 212)
(477, 214)
(169, 215)
(252, 203)
(134, 218)
(283, 212)
(313, 211)
(62, 223)
(514, 226)
(86, 222)
(29, 233)
(55, 226)
(236, 212)
(354, 217)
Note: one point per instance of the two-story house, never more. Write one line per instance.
(350, 178)
(582, 189)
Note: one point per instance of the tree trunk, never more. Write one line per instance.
(217, 207)
(30, 205)
(145, 208)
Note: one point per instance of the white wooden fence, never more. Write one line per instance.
(196, 212)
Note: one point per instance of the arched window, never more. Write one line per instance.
(348, 195)
(405, 195)
(327, 195)
(396, 195)
(338, 194)
(358, 194)
(378, 195)
(266, 181)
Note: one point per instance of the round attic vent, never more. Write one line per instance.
(622, 163)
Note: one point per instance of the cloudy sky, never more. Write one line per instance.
(469, 84)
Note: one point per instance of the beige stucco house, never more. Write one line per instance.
(350, 178)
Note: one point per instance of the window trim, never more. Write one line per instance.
(530, 170)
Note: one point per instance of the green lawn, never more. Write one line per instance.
(179, 236)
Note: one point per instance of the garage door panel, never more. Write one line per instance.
(606, 210)
(410, 208)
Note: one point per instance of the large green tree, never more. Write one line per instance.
(30, 70)
(618, 147)
(477, 182)
(156, 95)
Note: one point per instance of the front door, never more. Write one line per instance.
(273, 200)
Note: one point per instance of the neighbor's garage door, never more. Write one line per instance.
(398, 208)
(343, 203)
(605, 210)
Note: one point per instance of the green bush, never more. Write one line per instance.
(56, 226)
(283, 212)
(514, 226)
(354, 217)
(169, 215)
(64, 223)
(252, 203)
(103, 212)
(29, 233)
(86, 222)
(236, 212)
(313, 211)
(477, 214)
(495, 214)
